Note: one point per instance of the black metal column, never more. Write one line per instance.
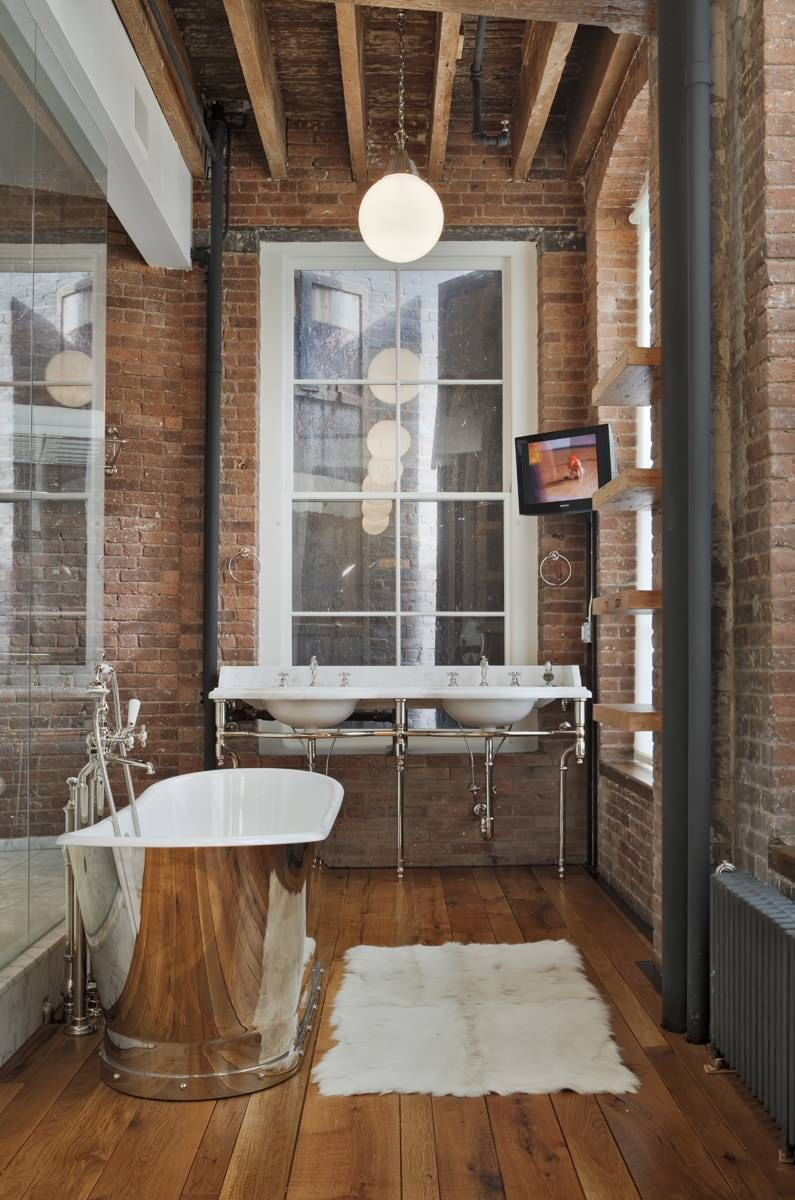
(699, 390)
(212, 442)
(684, 82)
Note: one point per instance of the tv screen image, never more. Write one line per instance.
(561, 470)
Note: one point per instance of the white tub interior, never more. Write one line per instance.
(254, 806)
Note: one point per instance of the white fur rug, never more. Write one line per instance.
(465, 1020)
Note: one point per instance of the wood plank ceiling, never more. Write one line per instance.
(334, 62)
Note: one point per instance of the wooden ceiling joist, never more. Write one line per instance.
(350, 34)
(544, 53)
(622, 16)
(596, 95)
(252, 37)
(448, 31)
(163, 77)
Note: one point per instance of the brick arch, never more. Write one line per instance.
(615, 238)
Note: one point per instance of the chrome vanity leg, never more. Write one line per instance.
(564, 767)
(311, 753)
(400, 757)
(69, 949)
(487, 816)
(220, 725)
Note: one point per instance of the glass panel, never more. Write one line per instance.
(451, 555)
(345, 641)
(338, 430)
(451, 641)
(456, 439)
(451, 322)
(343, 320)
(343, 556)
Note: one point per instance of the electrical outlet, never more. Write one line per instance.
(585, 632)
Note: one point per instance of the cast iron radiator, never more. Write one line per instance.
(753, 989)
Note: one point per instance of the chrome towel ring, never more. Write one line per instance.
(244, 556)
(564, 575)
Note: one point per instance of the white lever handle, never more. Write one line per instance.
(133, 709)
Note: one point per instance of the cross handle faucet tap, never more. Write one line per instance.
(313, 669)
(484, 670)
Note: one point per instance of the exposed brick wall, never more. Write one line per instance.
(319, 193)
(755, 451)
(613, 184)
(626, 842)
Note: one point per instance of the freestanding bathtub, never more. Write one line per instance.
(197, 930)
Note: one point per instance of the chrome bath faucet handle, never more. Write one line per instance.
(549, 674)
(514, 679)
(344, 678)
(452, 679)
(313, 669)
(283, 677)
(484, 671)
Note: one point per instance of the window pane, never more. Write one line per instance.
(446, 641)
(337, 429)
(456, 440)
(343, 557)
(451, 556)
(344, 641)
(452, 322)
(343, 319)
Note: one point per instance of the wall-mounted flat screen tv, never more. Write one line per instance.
(561, 470)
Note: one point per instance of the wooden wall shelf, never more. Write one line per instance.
(634, 489)
(634, 718)
(630, 380)
(629, 602)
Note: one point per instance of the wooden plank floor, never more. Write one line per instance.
(685, 1135)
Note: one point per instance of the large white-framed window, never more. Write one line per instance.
(644, 645)
(390, 397)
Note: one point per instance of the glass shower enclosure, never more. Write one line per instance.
(53, 219)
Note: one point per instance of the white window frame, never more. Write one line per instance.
(89, 423)
(643, 749)
(278, 262)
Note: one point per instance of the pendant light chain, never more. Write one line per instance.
(401, 129)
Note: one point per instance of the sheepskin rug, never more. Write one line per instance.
(466, 1020)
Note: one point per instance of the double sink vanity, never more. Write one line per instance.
(312, 704)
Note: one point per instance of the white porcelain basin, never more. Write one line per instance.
(313, 712)
(483, 712)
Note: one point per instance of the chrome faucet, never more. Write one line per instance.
(549, 674)
(344, 678)
(452, 678)
(283, 677)
(514, 679)
(313, 669)
(484, 671)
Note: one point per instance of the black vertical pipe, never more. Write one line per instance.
(672, 46)
(592, 683)
(219, 132)
(699, 276)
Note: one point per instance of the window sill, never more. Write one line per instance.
(629, 772)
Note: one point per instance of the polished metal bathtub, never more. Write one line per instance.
(197, 930)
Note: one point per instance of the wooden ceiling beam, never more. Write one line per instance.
(622, 16)
(596, 94)
(254, 44)
(544, 52)
(163, 78)
(448, 30)
(350, 34)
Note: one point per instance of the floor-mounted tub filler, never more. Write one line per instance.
(196, 927)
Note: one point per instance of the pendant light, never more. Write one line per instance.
(400, 216)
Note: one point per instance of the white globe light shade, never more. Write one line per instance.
(65, 373)
(374, 525)
(392, 363)
(383, 472)
(381, 439)
(401, 217)
(376, 508)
